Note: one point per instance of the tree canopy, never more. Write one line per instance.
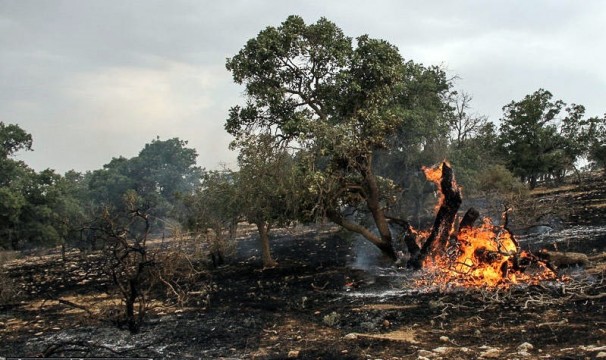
(541, 137)
(310, 88)
(163, 170)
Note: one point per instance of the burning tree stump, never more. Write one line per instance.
(484, 255)
(450, 201)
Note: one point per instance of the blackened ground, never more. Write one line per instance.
(330, 297)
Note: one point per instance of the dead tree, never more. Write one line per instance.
(128, 264)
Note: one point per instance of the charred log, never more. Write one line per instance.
(410, 238)
(469, 218)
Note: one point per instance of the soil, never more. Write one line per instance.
(331, 297)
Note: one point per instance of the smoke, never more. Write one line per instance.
(366, 256)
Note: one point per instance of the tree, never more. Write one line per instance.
(12, 139)
(268, 188)
(13, 179)
(167, 168)
(538, 142)
(597, 145)
(213, 210)
(463, 124)
(162, 172)
(308, 87)
(33, 206)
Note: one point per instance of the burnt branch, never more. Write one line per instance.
(469, 218)
(410, 237)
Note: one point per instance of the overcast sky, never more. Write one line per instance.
(92, 80)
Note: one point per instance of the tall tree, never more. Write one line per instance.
(543, 138)
(163, 170)
(464, 124)
(309, 87)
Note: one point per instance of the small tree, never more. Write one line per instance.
(128, 263)
(268, 188)
(214, 211)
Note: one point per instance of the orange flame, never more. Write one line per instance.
(434, 174)
(483, 256)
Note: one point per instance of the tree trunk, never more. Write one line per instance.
(374, 205)
(263, 228)
(386, 248)
(444, 218)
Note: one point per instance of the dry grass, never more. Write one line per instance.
(7, 256)
(402, 335)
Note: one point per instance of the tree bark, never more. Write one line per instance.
(263, 228)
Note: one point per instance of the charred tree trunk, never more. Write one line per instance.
(444, 218)
(469, 218)
(263, 228)
(410, 238)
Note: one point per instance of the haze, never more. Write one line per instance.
(92, 80)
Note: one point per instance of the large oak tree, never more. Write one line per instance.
(310, 87)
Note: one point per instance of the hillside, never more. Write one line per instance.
(330, 297)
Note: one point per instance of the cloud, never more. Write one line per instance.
(122, 100)
(96, 79)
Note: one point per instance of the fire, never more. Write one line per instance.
(434, 174)
(487, 255)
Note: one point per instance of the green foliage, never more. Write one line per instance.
(267, 183)
(35, 208)
(160, 175)
(597, 144)
(12, 139)
(214, 204)
(496, 178)
(542, 138)
(309, 87)
(213, 211)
